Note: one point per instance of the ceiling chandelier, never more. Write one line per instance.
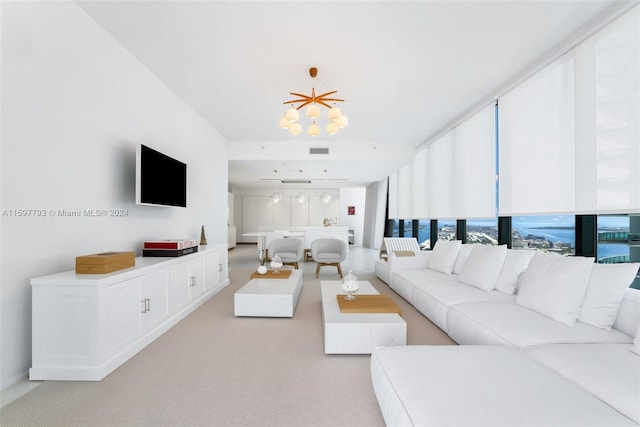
(290, 120)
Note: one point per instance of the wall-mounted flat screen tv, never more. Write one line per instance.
(160, 180)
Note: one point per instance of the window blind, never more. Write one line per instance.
(537, 143)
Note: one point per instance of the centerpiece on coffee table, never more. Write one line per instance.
(350, 285)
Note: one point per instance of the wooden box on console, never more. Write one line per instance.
(105, 262)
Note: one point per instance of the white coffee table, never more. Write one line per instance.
(357, 333)
(269, 297)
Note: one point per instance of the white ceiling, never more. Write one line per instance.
(406, 69)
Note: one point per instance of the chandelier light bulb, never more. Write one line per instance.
(334, 114)
(301, 198)
(314, 130)
(343, 121)
(313, 111)
(292, 115)
(332, 128)
(275, 198)
(284, 123)
(295, 129)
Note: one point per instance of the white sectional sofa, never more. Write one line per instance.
(548, 340)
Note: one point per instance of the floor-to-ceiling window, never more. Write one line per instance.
(549, 233)
(483, 231)
(446, 229)
(613, 237)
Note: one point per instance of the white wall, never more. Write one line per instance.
(253, 209)
(75, 104)
(375, 214)
(353, 197)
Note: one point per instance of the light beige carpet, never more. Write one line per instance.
(213, 369)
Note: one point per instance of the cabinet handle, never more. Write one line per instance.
(219, 267)
(148, 304)
(144, 305)
(193, 281)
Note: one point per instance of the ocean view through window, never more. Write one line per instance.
(549, 233)
(613, 235)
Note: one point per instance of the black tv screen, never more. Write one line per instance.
(160, 179)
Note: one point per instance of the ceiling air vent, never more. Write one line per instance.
(296, 181)
(316, 150)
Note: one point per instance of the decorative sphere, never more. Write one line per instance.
(334, 114)
(262, 269)
(295, 129)
(314, 130)
(313, 111)
(343, 121)
(292, 115)
(284, 123)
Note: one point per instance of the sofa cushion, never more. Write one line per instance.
(510, 324)
(463, 254)
(611, 372)
(433, 298)
(515, 262)
(555, 286)
(607, 286)
(483, 266)
(479, 385)
(403, 281)
(443, 256)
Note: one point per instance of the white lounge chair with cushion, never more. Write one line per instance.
(290, 251)
(396, 247)
(328, 251)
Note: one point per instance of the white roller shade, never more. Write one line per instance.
(419, 187)
(462, 169)
(404, 192)
(440, 174)
(393, 195)
(537, 143)
(608, 118)
(474, 175)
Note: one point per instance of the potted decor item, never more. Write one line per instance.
(350, 285)
(276, 264)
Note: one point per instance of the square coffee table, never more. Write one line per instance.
(269, 297)
(357, 333)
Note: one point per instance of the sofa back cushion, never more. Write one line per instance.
(483, 266)
(463, 254)
(515, 262)
(555, 286)
(607, 286)
(444, 254)
(629, 313)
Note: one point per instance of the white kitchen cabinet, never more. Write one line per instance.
(86, 325)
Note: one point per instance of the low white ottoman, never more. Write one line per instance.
(269, 297)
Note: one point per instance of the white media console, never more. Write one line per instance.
(86, 325)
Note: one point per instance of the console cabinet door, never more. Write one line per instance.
(123, 309)
(211, 267)
(197, 278)
(155, 294)
(180, 287)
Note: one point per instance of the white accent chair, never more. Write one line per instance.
(309, 237)
(290, 251)
(328, 251)
(269, 237)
